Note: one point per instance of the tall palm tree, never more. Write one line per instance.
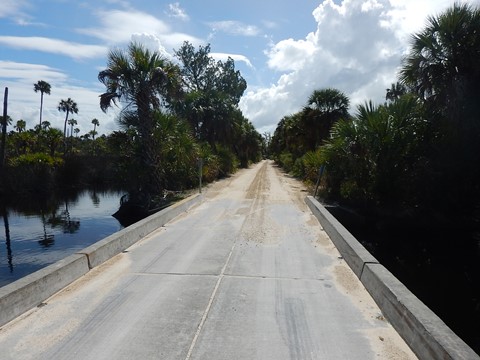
(72, 123)
(44, 88)
(143, 81)
(95, 124)
(68, 106)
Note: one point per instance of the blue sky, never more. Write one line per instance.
(285, 49)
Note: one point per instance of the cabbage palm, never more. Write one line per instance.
(68, 107)
(443, 68)
(444, 61)
(72, 123)
(21, 125)
(95, 123)
(371, 157)
(324, 108)
(44, 88)
(144, 82)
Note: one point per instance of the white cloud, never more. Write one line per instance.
(235, 28)
(236, 57)
(290, 54)
(29, 72)
(357, 48)
(152, 43)
(175, 11)
(54, 46)
(13, 8)
(118, 26)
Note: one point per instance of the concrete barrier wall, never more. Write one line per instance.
(426, 334)
(30, 291)
(116, 243)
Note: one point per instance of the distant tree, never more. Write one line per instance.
(395, 91)
(213, 90)
(76, 131)
(53, 139)
(95, 124)
(72, 123)
(21, 125)
(67, 106)
(44, 88)
(324, 108)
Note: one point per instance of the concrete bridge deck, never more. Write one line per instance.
(249, 273)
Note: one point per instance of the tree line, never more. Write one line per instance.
(173, 115)
(417, 155)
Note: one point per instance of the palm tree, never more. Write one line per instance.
(44, 88)
(21, 125)
(395, 91)
(72, 123)
(68, 106)
(53, 138)
(324, 108)
(95, 124)
(443, 68)
(444, 62)
(76, 131)
(143, 81)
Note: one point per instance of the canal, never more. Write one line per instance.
(38, 233)
(440, 265)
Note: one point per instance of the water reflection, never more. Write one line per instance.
(7, 238)
(39, 232)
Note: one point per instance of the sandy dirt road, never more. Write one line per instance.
(247, 274)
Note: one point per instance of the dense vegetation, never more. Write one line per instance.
(172, 115)
(417, 155)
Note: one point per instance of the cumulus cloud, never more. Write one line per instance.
(290, 54)
(357, 48)
(54, 46)
(152, 43)
(235, 28)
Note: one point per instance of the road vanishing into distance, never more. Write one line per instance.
(247, 274)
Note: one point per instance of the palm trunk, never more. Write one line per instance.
(65, 133)
(153, 181)
(4, 132)
(41, 108)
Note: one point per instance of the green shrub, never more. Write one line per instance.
(32, 173)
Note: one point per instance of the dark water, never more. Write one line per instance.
(441, 266)
(34, 235)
